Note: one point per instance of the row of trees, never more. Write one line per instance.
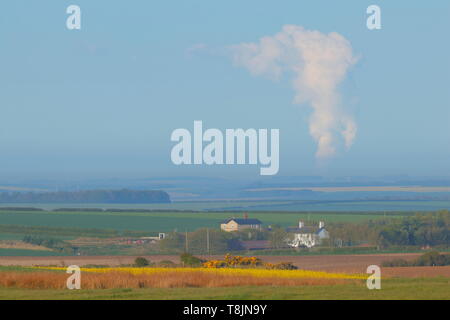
(431, 229)
(51, 243)
(87, 196)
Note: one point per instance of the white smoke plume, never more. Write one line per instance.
(318, 63)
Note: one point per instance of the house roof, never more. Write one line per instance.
(305, 230)
(243, 221)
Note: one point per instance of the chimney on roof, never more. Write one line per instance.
(245, 216)
(300, 224)
(321, 224)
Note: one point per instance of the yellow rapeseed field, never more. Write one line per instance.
(255, 272)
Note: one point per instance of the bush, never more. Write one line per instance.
(167, 264)
(39, 241)
(281, 266)
(433, 259)
(238, 261)
(285, 266)
(188, 260)
(141, 262)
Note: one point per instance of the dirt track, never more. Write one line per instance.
(336, 263)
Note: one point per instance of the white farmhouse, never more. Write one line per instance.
(308, 237)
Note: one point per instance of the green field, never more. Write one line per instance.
(72, 224)
(266, 205)
(25, 253)
(166, 221)
(11, 236)
(403, 289)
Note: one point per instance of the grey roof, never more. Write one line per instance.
(243, 221)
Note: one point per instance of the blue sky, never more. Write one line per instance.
(103, 101)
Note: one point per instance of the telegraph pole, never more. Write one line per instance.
(187, 246)
(207, 242)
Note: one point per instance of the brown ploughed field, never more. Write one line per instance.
(331, 263)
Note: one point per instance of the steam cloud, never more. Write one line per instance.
(318, 62)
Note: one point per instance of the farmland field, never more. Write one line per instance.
(403, 289)
(24, 253)
(330, 263)
(71, 224)
(392, 288)
(356, 206)
(167, 221)
(331, 277)
(264, 205)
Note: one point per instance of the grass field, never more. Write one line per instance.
(25, 252)
(11, 236)
(221, 284)
(167, 221)
(68, 225)
(265, 205)
(357, 206)
(404, 289)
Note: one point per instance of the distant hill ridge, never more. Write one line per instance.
(87, 196)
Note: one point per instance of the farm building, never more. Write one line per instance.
(309, 237)
(235, 224)
(145, 240)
